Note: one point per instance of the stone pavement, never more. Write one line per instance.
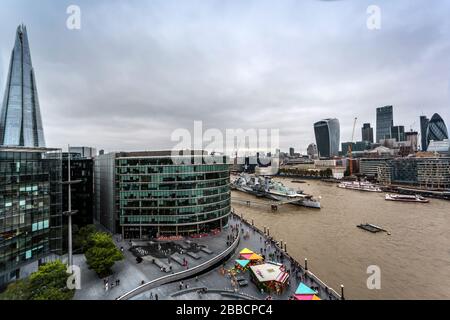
(131, 274)
(214, 280)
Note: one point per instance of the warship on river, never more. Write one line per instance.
(266, 187)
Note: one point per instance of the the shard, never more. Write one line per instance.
(20, 118)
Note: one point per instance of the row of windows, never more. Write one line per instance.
(169, 219)
(159, 178)
(192, 210)
(170, 161)
(174, 185)
(173, 203)
(144, 195)
(170, 169)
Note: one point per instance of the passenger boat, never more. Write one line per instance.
(359, 185)
(406, 198)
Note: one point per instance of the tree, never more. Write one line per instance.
(18, 290)
(48, 283)
(102, 253)
(81, 238)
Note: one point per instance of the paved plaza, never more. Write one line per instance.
(133, 274)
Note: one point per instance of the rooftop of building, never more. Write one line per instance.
(27, 149)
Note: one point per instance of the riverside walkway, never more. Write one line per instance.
(219, 286)
(135, 277)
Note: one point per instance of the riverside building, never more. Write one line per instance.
(143, 195)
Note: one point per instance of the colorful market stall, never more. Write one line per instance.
(270, 277)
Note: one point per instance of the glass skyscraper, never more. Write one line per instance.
(367, 133)
(385, 121)
(398, 133)
(436, 130)
(20, 117)
(327, 134)
(423, 132)
(30, 209)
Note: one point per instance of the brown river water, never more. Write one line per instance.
(414, 260)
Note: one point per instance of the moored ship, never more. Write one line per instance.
(359, 185)
(406, 198)
(266, 187)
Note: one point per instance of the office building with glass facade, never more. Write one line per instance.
(30, 209)
(81, 170)
(385, 121)
(398, 133)
(423, 133)
(327, 134)
(436, 130)
(367, 133)
(20, 116)
(149, 194)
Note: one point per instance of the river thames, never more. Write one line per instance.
(414, 259)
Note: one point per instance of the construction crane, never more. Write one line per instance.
(350, 148)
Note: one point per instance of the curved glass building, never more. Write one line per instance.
(327, 134)
(436, 130)
(156, 194)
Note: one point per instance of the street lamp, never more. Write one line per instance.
(69, 213)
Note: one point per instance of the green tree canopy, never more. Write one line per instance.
(81, 238)
(102, 253)
(48, 283)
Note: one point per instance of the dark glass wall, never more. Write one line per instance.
(30, 207)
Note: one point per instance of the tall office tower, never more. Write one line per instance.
(436, 130)
(327, 134)
(367, 133)
(423, 132)
(30, 210)
(20, 117)
(291, 152)
(385, 121)
(398, 133)
(312, 151)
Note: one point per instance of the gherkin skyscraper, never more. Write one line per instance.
(20, 118)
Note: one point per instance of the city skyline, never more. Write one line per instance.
(223, 73)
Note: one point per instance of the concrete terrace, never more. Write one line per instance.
(131, 274)
(213, 280)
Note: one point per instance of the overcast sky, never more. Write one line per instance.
(137, 70)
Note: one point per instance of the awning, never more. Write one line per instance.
(306, 297)
(242, 263)
(255, 256)
(304, 290)
(245, 251)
